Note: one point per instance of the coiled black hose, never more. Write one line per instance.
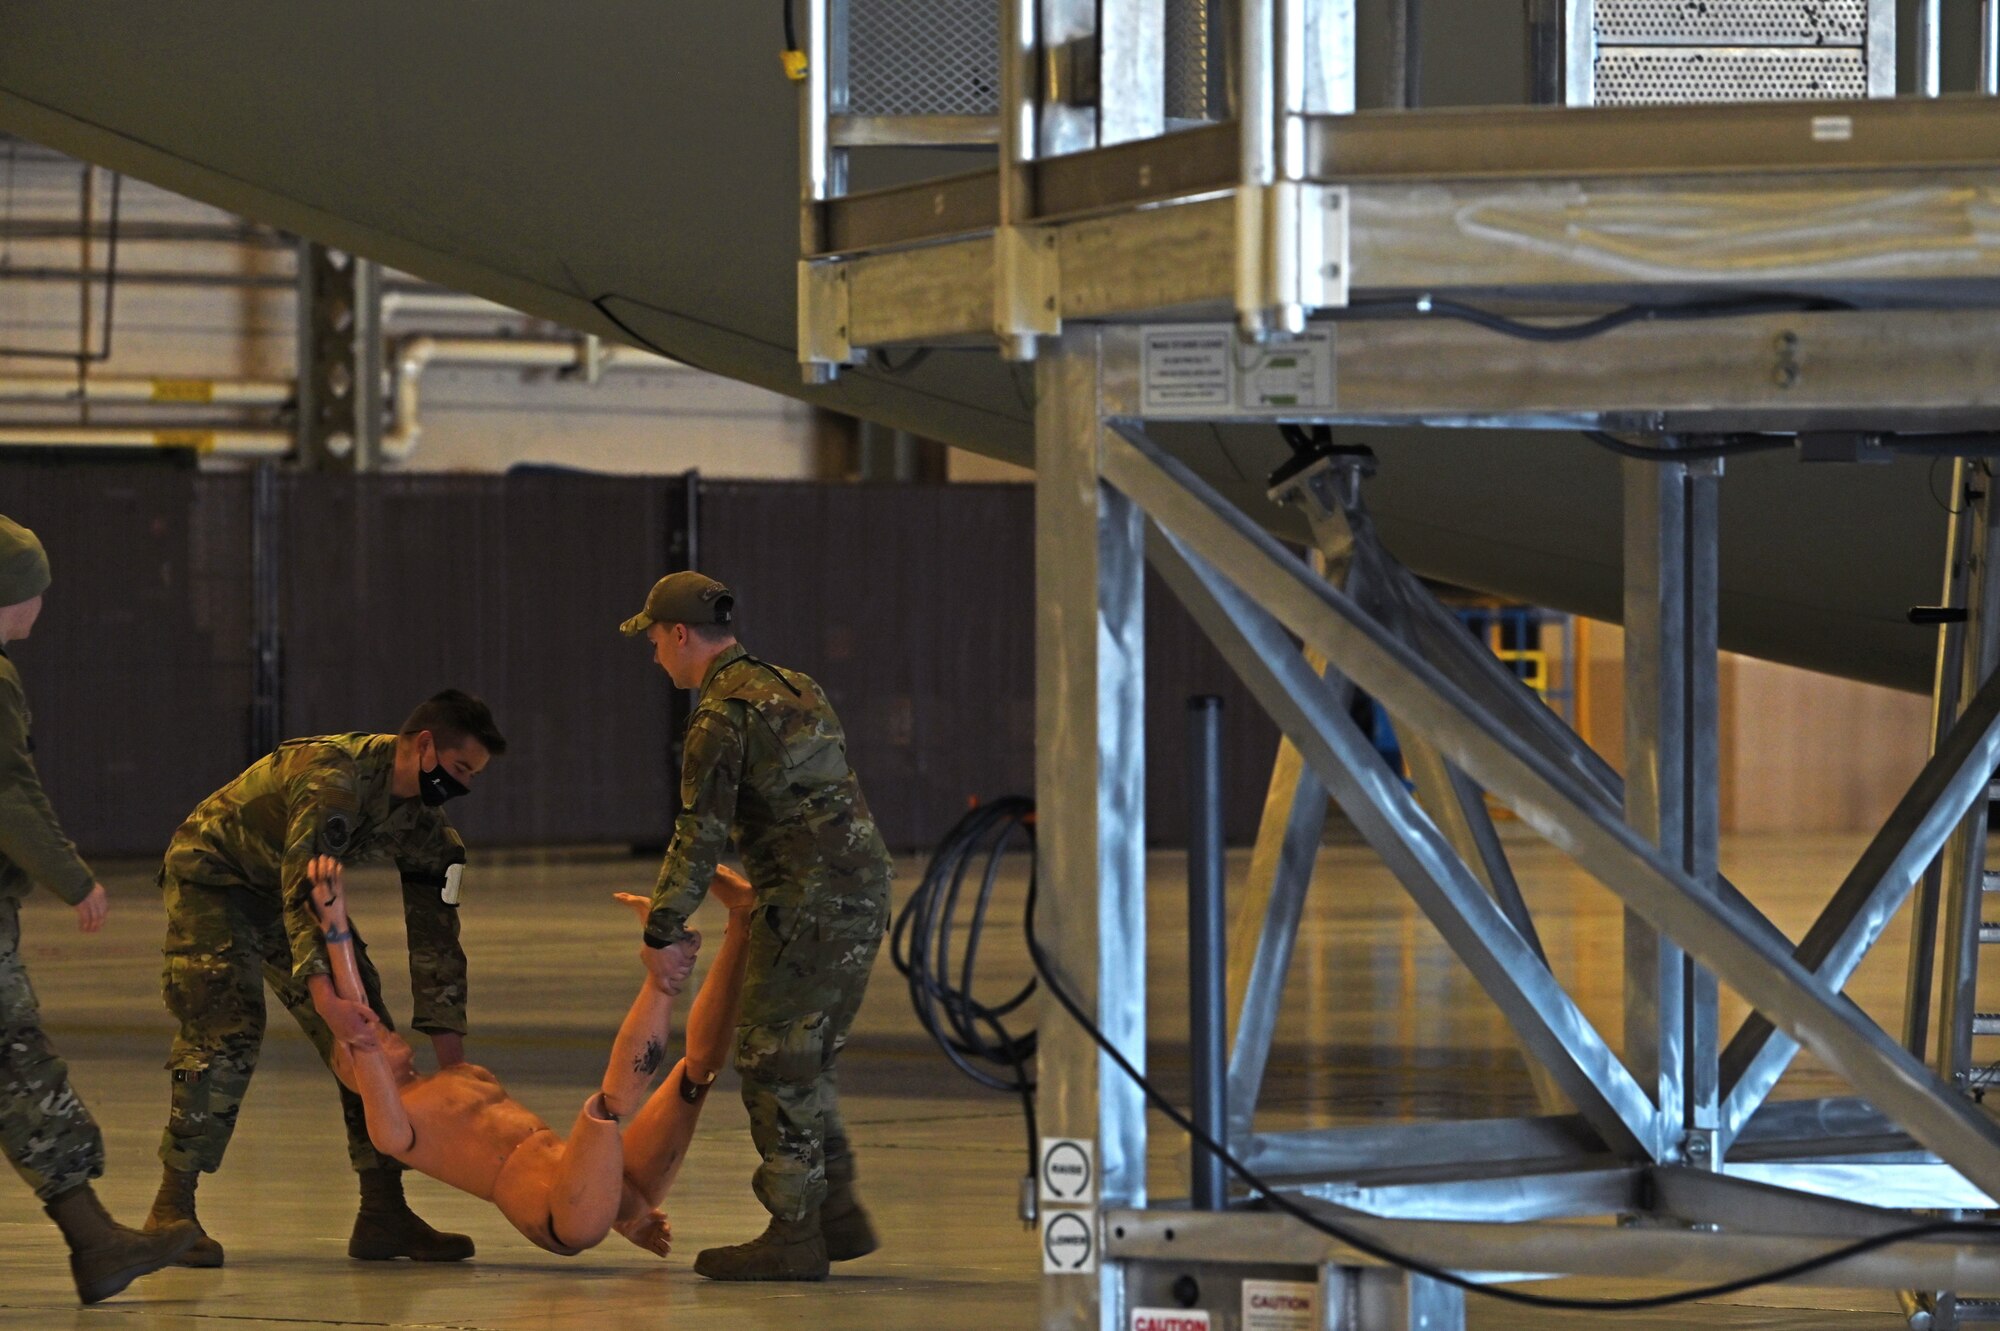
(973, 1035)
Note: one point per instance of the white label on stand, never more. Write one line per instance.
(1280, 1305)
(1207, 371)
(1069, 1243)
(1170, 1319)
(1186, 370)
(1293, 374)
(1069, 1171)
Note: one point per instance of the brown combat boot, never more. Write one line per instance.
(105, 1256)
(843, 1223)
(786, 1250)
(174, 1205)
(386, 1228)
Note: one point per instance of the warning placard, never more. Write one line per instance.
(1280, 1305)
(1069, 1171)
(1169, 1319)
(1205, 370)
(1069, 1243)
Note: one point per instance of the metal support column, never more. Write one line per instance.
(1671, 1038)
(1207, 950)
(1964, 857)
(266, 721)
(1090, 787)
(341, 360)
(1945, 708)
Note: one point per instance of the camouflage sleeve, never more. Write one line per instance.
(711, 769)
(321, 805)
(30, 836)
(430, 912)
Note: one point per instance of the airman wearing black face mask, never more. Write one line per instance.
(235, 890)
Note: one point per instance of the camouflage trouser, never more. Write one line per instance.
(223, 946)
(48, 1135)
(806, 974)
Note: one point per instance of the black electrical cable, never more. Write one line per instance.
(1728, 446)
(1443, 307)
(970, 1032)
(1362, 1243)
(791, 29)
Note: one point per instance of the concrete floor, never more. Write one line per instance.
(1381, 1024)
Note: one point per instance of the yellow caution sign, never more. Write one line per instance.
(183, 390)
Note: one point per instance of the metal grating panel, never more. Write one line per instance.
(932, 58)
(1193, 51)
(1626, 77)
(1731, 22)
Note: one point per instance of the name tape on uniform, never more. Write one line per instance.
(1170, 1319)
(1068, 1171)
(1069, 1243)
(1280, 1305)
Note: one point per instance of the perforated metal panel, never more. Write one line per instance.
(923, 58)
(1194, 49)
(1732, 22)
(1718, 74)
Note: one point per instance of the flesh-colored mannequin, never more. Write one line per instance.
(461, 1127)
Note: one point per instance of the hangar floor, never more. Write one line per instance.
(1381, 1024)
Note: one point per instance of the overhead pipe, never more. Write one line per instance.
(231, 443)
(161, 390)
(588, 356)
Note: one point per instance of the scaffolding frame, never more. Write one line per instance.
(1806, 267)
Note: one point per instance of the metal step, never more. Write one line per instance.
(1989, 931)
(1986, 1023)
(1978, 1310)
(1990, 880)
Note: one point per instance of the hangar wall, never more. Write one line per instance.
(910, 603)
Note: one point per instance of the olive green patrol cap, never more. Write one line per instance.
(686, 597)
(24, 565)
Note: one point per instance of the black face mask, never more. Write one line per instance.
(435, 785)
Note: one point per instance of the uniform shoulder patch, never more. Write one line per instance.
(336, 832)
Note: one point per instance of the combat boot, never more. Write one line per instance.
(174, 1205)
(387, 1228)
(843, 1223)
(105, 1256)
(786, 1250)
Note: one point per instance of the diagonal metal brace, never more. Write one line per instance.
(1714, 928)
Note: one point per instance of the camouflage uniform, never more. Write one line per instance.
(235, 887)
(766, 759)
(47, 1134)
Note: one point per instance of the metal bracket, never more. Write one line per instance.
(1292, 252)
(1027, 282)
(823, 321)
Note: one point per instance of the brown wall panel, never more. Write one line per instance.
(912, 604)
(511, 587)
(138, 671)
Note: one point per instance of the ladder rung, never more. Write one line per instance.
(1990, 880)
(1986, 1023)
(1989, 932)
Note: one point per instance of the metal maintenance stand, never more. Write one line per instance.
(1308, 265)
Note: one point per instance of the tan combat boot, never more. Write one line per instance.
(786, 1250)
(843, 1223)
(105, 1256)
(174, 1205)
(386, 1228)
